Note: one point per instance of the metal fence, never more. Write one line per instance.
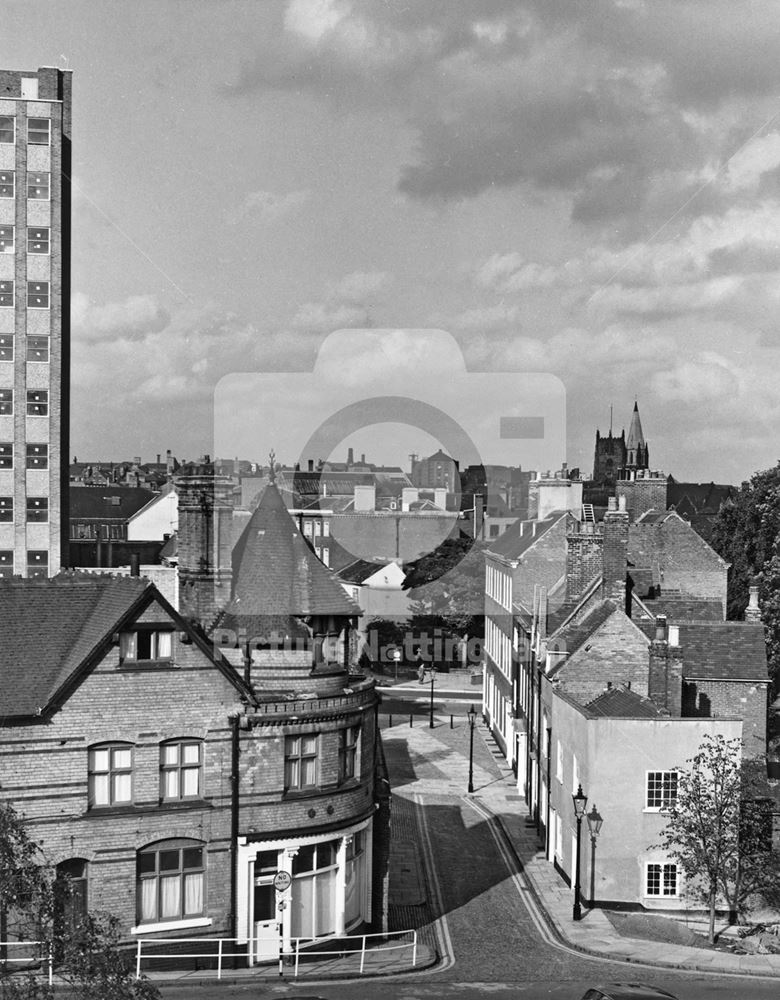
(337, 948)
(43, 955)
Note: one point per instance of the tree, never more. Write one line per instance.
(32, 899)
(716, 828)
(747, 535)
(447, 587)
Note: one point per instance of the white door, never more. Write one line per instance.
(266, 934)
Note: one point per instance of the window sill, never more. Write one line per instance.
(172, 925)
(145, 664)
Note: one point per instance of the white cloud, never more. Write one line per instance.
(130, 319)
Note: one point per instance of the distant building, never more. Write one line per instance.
(618, 457)
(35, 260)
(438, 470)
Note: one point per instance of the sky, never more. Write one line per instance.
(584, 195)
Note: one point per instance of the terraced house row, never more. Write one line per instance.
(608, 659)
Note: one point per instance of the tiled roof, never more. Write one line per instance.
(719, 650)
(48, 628)
(520, 536)
(572, 637)
(724, 650)
(100, 502)
(276, 576)
(620, 703)
(683, 607)
(360, 570)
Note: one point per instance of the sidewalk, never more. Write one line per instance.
(453, 684)
(594, 934)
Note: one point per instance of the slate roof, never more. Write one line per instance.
(98, 501)
(697, 498)
(48, 628)
(684, 607)
(360, 570)
(520, 536)
(621, 703)
(277, 579)
(724, 650)
(720, 650)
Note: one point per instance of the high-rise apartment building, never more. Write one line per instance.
(35, 199)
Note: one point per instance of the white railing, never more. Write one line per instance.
(339, 951)
(220, 953)
(48, 958)
(300, 947)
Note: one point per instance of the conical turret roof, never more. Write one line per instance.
(277, 579)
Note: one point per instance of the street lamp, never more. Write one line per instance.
(433, 677)
(594, 825)
(580, 800)
(472, 714)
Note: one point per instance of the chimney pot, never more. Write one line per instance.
(612, 503)
(753, 610)
(660, 628)
(622, 503)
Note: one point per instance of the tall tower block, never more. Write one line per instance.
(35, 210)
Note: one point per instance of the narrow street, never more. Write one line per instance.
(456, 881)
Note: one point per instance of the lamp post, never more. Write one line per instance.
(472, 713)
(433, 677)
(594, 825)
(580, 800)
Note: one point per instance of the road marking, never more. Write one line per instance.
(440, 926)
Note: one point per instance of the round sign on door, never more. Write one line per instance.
(282, 881)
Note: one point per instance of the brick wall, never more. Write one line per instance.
(616, 653)
(686, 561)
(727, 699)
(642, 494)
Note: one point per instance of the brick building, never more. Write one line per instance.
(35, 171)
(176, 764)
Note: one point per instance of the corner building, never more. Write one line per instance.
(35, 170)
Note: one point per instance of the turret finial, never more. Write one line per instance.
(272, 466)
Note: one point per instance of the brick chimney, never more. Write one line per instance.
(583, 559)
(753, 611)
(664, 681)
(615, 548)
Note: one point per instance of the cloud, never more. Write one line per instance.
(268, 206)
(608, 101)
(130, 319)
(349, 302)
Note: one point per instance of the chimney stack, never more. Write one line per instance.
(615, 533)
(350, 456)
(753, 610)
(664, 681)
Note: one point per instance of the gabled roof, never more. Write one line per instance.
(573, 637)
(621, 703)
(276, 576)
(48, 628)
(523, 535)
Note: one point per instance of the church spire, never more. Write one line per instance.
(637, 454)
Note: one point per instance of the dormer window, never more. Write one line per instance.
(146, 646)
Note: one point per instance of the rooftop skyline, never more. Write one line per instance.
(566, 189)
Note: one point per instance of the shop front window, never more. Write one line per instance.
(313, 902)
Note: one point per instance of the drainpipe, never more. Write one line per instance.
(549, 779)
(234, 826)
(538, 751)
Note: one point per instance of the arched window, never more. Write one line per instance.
(110, 774)
(171, 880)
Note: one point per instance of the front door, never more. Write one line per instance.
(267, 938)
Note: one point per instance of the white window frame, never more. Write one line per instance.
(12, 141)
(559, 761)
(39, 130)
(11, 174)
(661, 894)
(9, 246)
(664, 774)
